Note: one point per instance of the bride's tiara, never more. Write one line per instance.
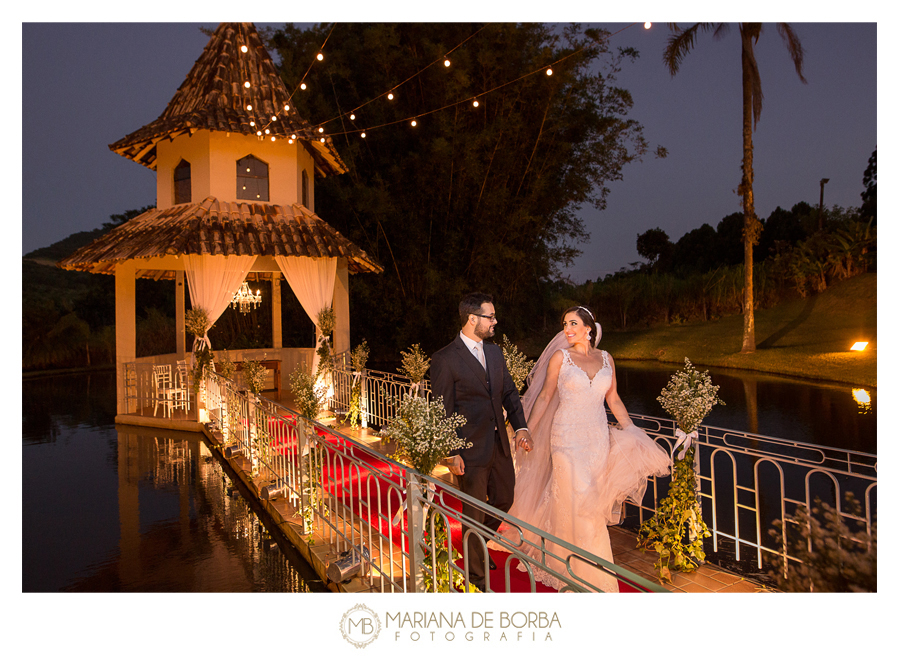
(588, 312)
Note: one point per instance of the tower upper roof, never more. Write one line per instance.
(214, 97)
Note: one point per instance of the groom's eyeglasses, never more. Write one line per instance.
(492, 318)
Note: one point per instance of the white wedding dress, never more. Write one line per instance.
(573, 483)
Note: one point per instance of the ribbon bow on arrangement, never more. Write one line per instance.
(199, 342)
(685, 439)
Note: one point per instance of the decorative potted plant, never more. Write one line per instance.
(414, 364)
(358, 358)
(677, 529)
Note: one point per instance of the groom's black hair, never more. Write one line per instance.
(471, 305)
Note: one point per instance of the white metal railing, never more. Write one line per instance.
(746, 481)
(353, 498)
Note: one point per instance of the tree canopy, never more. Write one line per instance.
(471, 198)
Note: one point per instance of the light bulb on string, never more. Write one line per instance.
(322, 140)
(390, 97)
(247, 84)
(321, 130)
(249, 107)
(274, 118)
(290, 141)
(287, 108)
(243, 49)
(302, 85)
(647, 26)
(252, 124)
(320, 57)
(413, 123)
(549, 71)
(446, 62)
(273, 138)
(294, 136)
(258, 134)
(363, 135)
(352, 117)
(475, 103)
(267, 131)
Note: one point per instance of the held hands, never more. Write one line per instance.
(523, 440)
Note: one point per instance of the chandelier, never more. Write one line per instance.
(243, 298)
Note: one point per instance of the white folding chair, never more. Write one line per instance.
(164, 389)
(182, 391)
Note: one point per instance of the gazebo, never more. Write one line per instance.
(234, 166)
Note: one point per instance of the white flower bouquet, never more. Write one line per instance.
(424, 433)
(517, 363)
(689, 397)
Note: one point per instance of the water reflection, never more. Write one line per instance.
(119, 509)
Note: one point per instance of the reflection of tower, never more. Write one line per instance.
(751, 399)
(129, 508)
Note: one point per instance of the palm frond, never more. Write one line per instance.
(681, 42)
(792, 43)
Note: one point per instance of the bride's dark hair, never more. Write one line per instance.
(587, 317)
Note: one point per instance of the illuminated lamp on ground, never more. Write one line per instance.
(859, 347)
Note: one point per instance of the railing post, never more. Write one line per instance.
(415, 524)
(363, 400)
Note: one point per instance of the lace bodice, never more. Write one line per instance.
(579, 392)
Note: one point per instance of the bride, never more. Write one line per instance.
(572, 480)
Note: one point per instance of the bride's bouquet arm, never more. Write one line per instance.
(615, 402)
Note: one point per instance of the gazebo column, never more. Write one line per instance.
(276, 310)
(341, 305)
(179, 314)
(126, 333)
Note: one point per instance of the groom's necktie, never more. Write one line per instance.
(479, 355)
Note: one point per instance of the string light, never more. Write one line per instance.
(249, 107)
(647, 26)
(446, 62)
(413, 123)
(549, 71)
(320, 57)
(287, 108)
(274, 118)
(243, 49)
(352, 117)
(390, 96)
(247, 84)
(363, 135)
(475, 103)
(302, 85)
(321, 130)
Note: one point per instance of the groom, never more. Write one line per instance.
(471, 376)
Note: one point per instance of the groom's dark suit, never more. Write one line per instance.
(480, 395)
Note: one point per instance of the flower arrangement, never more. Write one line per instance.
(254, 376)
(424, 433)
(689, 397)
(677, 530)
(517, 363)
(358, 358)
(307, 396)
(414, 364)
(196, 322)
(225, 366)
(325, 321)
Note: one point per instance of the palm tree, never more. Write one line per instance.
(681, 42)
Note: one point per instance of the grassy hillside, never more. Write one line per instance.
(806, 337)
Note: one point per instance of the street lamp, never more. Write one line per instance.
(821, 199)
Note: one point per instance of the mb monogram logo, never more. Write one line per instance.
(360, 626)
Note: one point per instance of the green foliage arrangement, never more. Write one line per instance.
(677, 530)
(440, 558)
(358, 358)
(203, 360)
(325, 320)
(424, 433)
(225, 366)
(254, 376)
(414, 364)
(307, 396)
(833, 558)
(517, 363)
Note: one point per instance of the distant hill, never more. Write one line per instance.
(65, 247)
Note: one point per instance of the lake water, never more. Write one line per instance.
(107, 509)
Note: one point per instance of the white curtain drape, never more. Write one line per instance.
(213, 280)
(312, 280)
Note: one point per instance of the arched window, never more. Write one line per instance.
(304, 188)
(252, 179)
(183, 182)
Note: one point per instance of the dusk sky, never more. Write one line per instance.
(86, 85)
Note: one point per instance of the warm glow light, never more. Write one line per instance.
(290, 141)
(858, 347)
(647, 26)
(252, 123)
(322, 140)
(320, 57)
(267, 131)
(475, 103)
(321, 130)
(258, 132)
(293, 136)
(302, 85)
(413, 123)
(352, 117)
(363, 135)
(249, 107)
(446, 62)
(287, 108)
(274, 118)
(243, 49)
(273, 138)
(390, 97)
(862, 396)
(247, 84)
(549, 71)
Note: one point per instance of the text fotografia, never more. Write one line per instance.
(482, 626)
